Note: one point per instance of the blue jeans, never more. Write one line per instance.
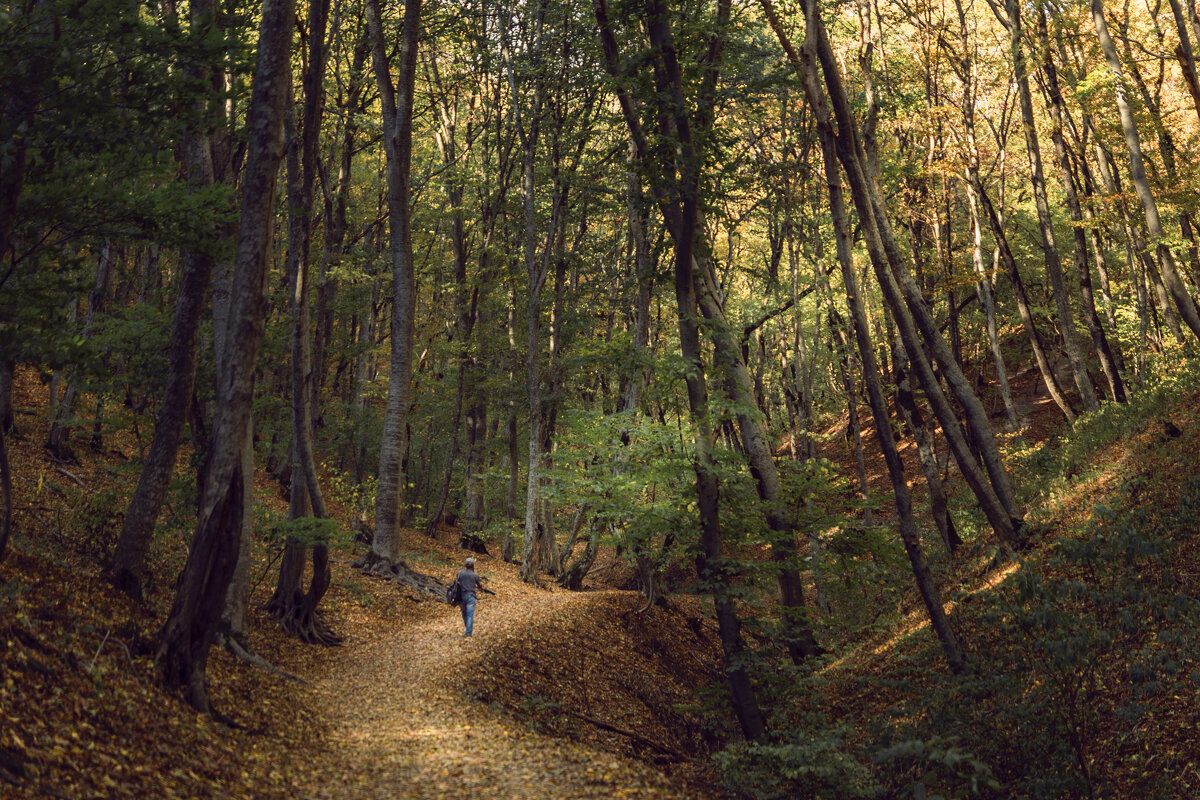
(468, 612)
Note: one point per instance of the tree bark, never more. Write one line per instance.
(1137, 173)
(129, 557)
(1058, 113)
(681, 208)
(805, 63)
(907, 304)
(1066, 319)
(187, 635)
(296, 610)
(397, 102)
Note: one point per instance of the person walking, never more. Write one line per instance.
(469, 582)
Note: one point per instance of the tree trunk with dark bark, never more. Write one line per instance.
(187, 635)
(297, 610)
(128, 562)
(806, 65)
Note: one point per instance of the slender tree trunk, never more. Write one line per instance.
(805, 63)
(296, 610)
(1183, 52)
(1058, 113)
(987, 300)
(1062, 304)
(938, 504)
(907, 304)
(681, 210)
(397, 101)
(837, 327)
(184, 643)
(129, 557)
(1137, 172)
(1023, 307)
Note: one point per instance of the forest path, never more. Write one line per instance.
(399, 728)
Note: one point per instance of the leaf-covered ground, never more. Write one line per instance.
(558, 694)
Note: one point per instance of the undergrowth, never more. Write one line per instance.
(1084, 662)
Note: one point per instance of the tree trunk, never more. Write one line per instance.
(187, 635)
(397, 104)
(572, 576)
(1137, 173)
(297, 611)
(806, 65)
(137, 529)
(1058, 113)
(905, 300)
(681, 212)
(1023, 308)
(1062, 304)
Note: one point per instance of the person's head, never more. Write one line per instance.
(470, 563)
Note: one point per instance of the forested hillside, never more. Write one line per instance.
(815, 384)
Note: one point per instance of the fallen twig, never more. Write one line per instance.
(637, 737)
(72, 477)
(92, 665)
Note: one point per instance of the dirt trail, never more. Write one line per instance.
(399, 729)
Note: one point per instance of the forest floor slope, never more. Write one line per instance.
(558, 695)
(417, 710)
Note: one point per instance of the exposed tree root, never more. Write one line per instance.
(243, 653)
(370, 563)
(309, 628)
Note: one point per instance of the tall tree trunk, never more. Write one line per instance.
(397, 104)
(187, 635)
(463, 306)
(916, 325)
(805, 63)
(336, 199)
(681, 209)
(296, 610)
(1137, 173)
(129, 557)
(837, 326)
(1062, 304)
(1058, 113)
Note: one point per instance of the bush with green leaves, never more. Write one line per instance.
(805, 761)
(937, 769)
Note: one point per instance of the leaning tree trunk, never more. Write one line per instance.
(806, 65)
(1058, 113)
(187, 635)
(905, 399)
(1066, 320)
(1137, 173)
(916, 325)
(397, 104)
(1023, 308)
